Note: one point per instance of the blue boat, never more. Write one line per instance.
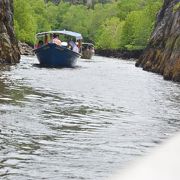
(52, 54)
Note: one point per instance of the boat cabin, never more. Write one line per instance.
(68, 39)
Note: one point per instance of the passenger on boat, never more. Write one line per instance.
(40, 43)
(56, 40)
(79, 45)
(46, 39)
(73, 46)
(50, 38)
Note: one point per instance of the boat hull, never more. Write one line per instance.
(56, 56)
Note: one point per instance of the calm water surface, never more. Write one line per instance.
(81, 123)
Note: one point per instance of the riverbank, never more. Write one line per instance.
(25, 49)
(124, 54)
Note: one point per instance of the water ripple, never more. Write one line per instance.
(81, 123)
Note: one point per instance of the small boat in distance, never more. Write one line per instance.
(55, 53)
(87, 50)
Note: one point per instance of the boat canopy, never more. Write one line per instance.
(90, 44)
(78, 36)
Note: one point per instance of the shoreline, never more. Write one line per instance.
(124, 54)
(26, 49)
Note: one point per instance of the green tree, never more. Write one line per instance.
(45, 14)
(138, 26)
(62, 9)
(127, 6)
(40, 14)
(78, 19)
(100, 14)
(109, 34)
(25, 23)
(121, 24)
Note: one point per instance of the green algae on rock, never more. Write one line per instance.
(162, 54)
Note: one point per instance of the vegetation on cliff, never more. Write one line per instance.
(122, 24)
(162, 54)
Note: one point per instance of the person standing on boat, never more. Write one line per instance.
(74, 46)
(46, 39)
(40, 44)
(56, 40)
(50, 38)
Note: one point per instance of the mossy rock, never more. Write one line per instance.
(176, 7)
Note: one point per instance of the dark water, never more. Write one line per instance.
(81, 123)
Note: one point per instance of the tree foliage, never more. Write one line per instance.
(109, 34)
(120, 24)
(25, 23)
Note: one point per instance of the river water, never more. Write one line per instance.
(81, 123)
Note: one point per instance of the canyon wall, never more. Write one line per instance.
(162, 54)
(9, 51)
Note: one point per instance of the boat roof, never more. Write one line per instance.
(91, 44)
(78, 36)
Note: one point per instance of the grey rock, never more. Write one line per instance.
(9, 50)
(162, 54)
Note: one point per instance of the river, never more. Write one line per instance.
(83, 123)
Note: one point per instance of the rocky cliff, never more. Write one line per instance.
(162, 55)
(9, 51)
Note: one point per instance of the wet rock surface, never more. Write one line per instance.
(162, 55)
(9, 50)
(25, 49)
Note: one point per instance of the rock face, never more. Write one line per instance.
(162, 55)
(25, 49)
(9, 51)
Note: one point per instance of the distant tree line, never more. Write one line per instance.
(88, 3)
(121, 24)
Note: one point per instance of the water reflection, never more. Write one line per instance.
(81, 123)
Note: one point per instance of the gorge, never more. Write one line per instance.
(161, 55)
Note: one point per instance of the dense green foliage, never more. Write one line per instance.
(121, 24)
(176, 7)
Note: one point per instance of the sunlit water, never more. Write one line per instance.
(81, 123)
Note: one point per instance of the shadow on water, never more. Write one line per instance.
(50, 67)
(90, 61)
